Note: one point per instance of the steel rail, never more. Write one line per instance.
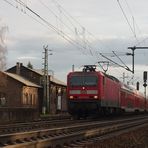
(59, 136)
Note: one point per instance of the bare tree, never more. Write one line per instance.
(29, 65)
(3, 49)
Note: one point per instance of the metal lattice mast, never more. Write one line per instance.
(46, 101)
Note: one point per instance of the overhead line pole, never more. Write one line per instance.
(46, 101)
(133, 55)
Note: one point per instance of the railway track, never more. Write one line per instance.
(70, 136)
(43, 124)
(31, 126)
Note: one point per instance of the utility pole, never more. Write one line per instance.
(133, 55)
(46, 101)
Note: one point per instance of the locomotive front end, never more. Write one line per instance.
(83, 92)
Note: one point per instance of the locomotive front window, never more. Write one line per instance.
(83, 81)
(76, 81)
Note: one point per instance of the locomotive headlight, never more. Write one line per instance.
(95, 97)
(71, 97)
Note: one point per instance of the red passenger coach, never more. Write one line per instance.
(131, 99)
(92, 92)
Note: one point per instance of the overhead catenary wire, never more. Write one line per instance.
(56, 29)
(132, 28)
(91, 50)
(9, 3)
(25, 13)
(71, 29)
(81, 46)
(120, 60)
(55, 15)
(72, 20)
(142, 41)
(86, 45)
(125, 67)
(61, 33)
(136, 25)
(43, 22)
(124, 14)
(134, 22)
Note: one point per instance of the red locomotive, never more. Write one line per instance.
(91, 92)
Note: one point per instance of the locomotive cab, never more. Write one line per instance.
(83, 91)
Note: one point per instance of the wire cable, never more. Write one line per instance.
(134, 22)
(72, 30)
(72, 19)
(124, 14)
(9, 3)
(61, 33)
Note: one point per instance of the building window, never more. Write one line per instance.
(30, 100)
(2, 99)
(41, 81)
(27, 98)
(35, 99)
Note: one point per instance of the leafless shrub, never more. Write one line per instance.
(3, 49)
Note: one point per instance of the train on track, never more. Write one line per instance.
(92, 92)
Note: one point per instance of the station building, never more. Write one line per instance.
(21, 93)
(18, 98)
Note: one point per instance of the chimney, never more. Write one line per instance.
(18, 68)
(73, 68)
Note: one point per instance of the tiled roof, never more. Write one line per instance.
(52, 78)
(55, 80)
(22, 80)
(40, 72)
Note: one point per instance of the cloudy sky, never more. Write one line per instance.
(76, 31)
